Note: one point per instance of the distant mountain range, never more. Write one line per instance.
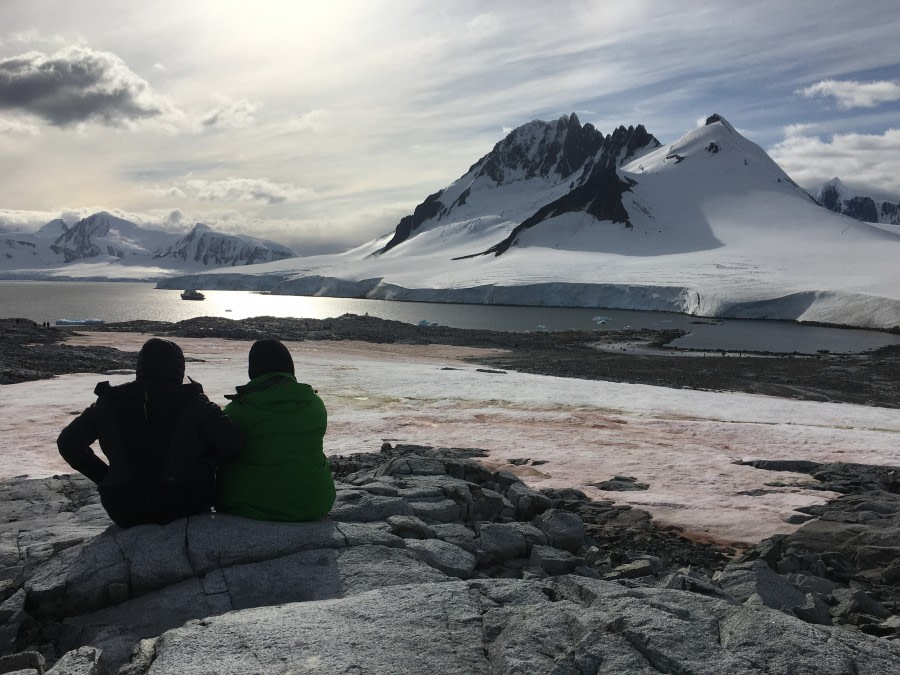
(835, 197)
(557, 213)
(118, 244)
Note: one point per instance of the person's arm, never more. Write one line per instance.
(74, 443)
(220, 432)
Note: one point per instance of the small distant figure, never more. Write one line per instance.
(282, 473)
(161, 438)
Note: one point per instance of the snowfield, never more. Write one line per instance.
(682, 443)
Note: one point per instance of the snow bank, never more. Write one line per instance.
(682, 443)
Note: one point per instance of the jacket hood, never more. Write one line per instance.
(160, 360)
(274, 390)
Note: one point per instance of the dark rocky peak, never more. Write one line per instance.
(198, 231)
(830, 195)
(97, 223)
(861, 208)
(428, 209)
(625, 143)
(715, 118)
(76, 242)
(541, 149)
(556, 151)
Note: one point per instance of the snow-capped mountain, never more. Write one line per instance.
(216, 249)
(104, 235)
(559, 214)
(105, 246)
(534, 165)
(836, 197)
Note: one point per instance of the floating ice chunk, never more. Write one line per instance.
(78, 322)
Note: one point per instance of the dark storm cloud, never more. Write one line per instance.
(77, 85)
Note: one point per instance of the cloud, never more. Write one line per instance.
(32, 36)
(18, 128)
(77, 85)
(852, 94)
(869, 160)
(236, 190)
(798, 129)
(309, 121)
(231, 114)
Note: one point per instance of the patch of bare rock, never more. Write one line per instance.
(28, 352)
(429, 562)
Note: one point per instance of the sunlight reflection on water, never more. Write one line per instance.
(112, 301)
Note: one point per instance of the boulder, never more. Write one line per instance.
(553, 560)
(564, 529)
(756, 578)
(498, 542)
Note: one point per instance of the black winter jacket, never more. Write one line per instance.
(161, 440)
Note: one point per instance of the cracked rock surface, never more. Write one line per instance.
(428, 563)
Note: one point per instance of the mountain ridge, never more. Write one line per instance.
(103, 238)
(834, 196)
(707, 225)
(548, 152)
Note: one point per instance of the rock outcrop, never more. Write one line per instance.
(847, 557)
(29, 351)
(429, 562)
(835, 197)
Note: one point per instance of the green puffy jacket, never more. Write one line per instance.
(282, 473)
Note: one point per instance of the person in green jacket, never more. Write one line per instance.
(282, 473)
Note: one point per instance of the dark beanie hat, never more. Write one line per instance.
(160, 360)
(269, 356)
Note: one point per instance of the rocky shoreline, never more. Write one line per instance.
(431, 563)
(30, 352)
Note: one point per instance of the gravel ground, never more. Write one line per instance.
(29, 352)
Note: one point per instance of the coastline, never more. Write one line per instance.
(868, 378)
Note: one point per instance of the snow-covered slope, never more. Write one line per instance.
(708, 225)
(836, 197)
(53, 230)
(210, 248)
(20, 250)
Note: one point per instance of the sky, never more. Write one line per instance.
(319, 125)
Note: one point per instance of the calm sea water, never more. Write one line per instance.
(110, 301)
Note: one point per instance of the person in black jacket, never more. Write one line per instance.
(160, 437)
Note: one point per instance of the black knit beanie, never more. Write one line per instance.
(269, 356)
(160, 360)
